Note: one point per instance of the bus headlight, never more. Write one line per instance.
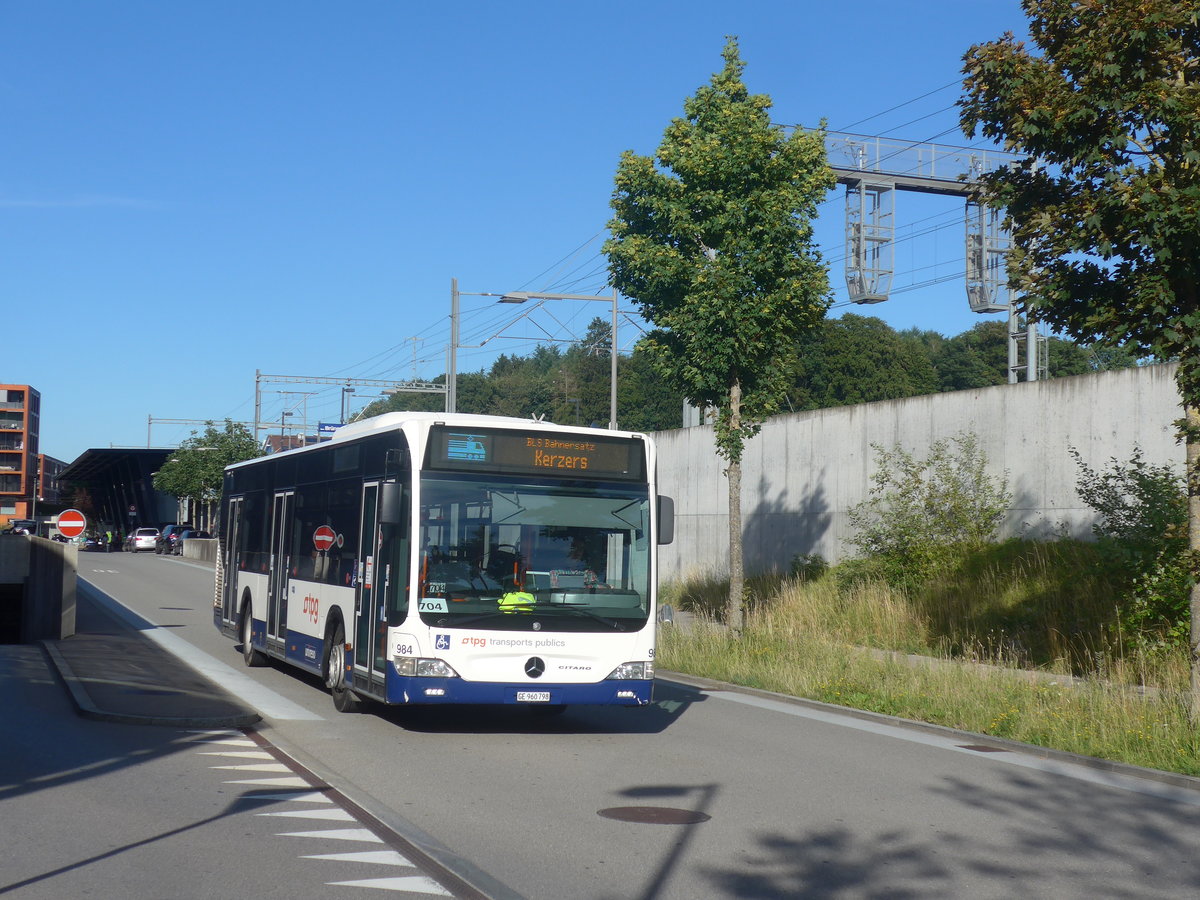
(633, 671)
(419, 667)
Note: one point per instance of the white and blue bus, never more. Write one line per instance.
(433, 558)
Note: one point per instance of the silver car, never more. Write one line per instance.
(143, 539)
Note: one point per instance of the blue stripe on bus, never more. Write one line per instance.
(455, 690)
(305, 651)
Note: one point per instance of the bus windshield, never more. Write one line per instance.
(512, 555)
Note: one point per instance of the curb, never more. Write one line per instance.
(87, 708)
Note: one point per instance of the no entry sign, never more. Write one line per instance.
(324, 537)
(71, 523)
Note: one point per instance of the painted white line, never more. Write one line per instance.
(237, 754)
(227, 743)
(340, 834)
(414, 884)
(378, 857)
(1054, 767)
(268, 703)
(295, 797)
(255, 767)
(325, 815)
(294, 781)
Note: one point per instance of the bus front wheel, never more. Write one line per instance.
(344, 699)
(249, 654)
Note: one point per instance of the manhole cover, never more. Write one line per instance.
(655, 815)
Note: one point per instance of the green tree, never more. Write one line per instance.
(1104, 212)
(588, 365)
(860, 359)
(712, 237)
(645, 402)
(976, 358)
(195, 471)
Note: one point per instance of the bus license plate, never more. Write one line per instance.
(533, 696)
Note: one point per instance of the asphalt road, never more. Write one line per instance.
(709, 793)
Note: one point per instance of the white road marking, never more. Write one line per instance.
(377, 857)
(294, 781)
(327, 815)
(268, 703)
(255, 767)
(416, 884)
(340, 834)
(310, 797)
(238, 754)
(1116, 780)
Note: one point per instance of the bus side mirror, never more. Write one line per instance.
(666, 520)
(391, 504)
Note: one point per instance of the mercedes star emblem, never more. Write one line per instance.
(534, 667)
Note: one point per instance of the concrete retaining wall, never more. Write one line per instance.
(37, 589)
(201, 550)
(805, 471)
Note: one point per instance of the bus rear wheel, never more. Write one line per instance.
(344, 699)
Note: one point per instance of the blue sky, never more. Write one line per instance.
(193, 192)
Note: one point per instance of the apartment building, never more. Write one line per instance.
(20, 424)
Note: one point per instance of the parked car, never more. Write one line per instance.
(142, 539)
(167, 537)
(186, 534)
(94, 542)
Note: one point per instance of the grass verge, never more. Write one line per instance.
(818, 639)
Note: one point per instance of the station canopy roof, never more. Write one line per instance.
(101, 465)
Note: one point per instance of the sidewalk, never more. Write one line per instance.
(114, 672)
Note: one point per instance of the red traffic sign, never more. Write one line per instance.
(324, 537)
(71, 523)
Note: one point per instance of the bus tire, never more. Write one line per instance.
(344, 698)
(252, 657)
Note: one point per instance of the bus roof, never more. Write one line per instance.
(393, 421)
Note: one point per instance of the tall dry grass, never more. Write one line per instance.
(998, 640)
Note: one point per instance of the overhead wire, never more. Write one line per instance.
(477, 326)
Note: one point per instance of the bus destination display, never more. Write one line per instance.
(528, 451)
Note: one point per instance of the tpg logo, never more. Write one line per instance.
(442, 641)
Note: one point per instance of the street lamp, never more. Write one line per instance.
(522, 297)
(345, 391)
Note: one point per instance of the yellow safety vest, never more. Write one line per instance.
(517, 601)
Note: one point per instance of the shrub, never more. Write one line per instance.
(919, 509)
(808, 566)
(1143, 531)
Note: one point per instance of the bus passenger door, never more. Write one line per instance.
(369, 606)
(281, 544)
(230, 561)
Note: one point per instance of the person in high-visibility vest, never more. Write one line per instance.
(517, 601)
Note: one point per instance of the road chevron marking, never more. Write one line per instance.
(377, 857)
(238, 754)
(416, 884)
(340, 834)
(255, 767)
(294, 781)
(329, 815)
(294, 797)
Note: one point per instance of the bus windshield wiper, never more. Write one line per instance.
(587, 613)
